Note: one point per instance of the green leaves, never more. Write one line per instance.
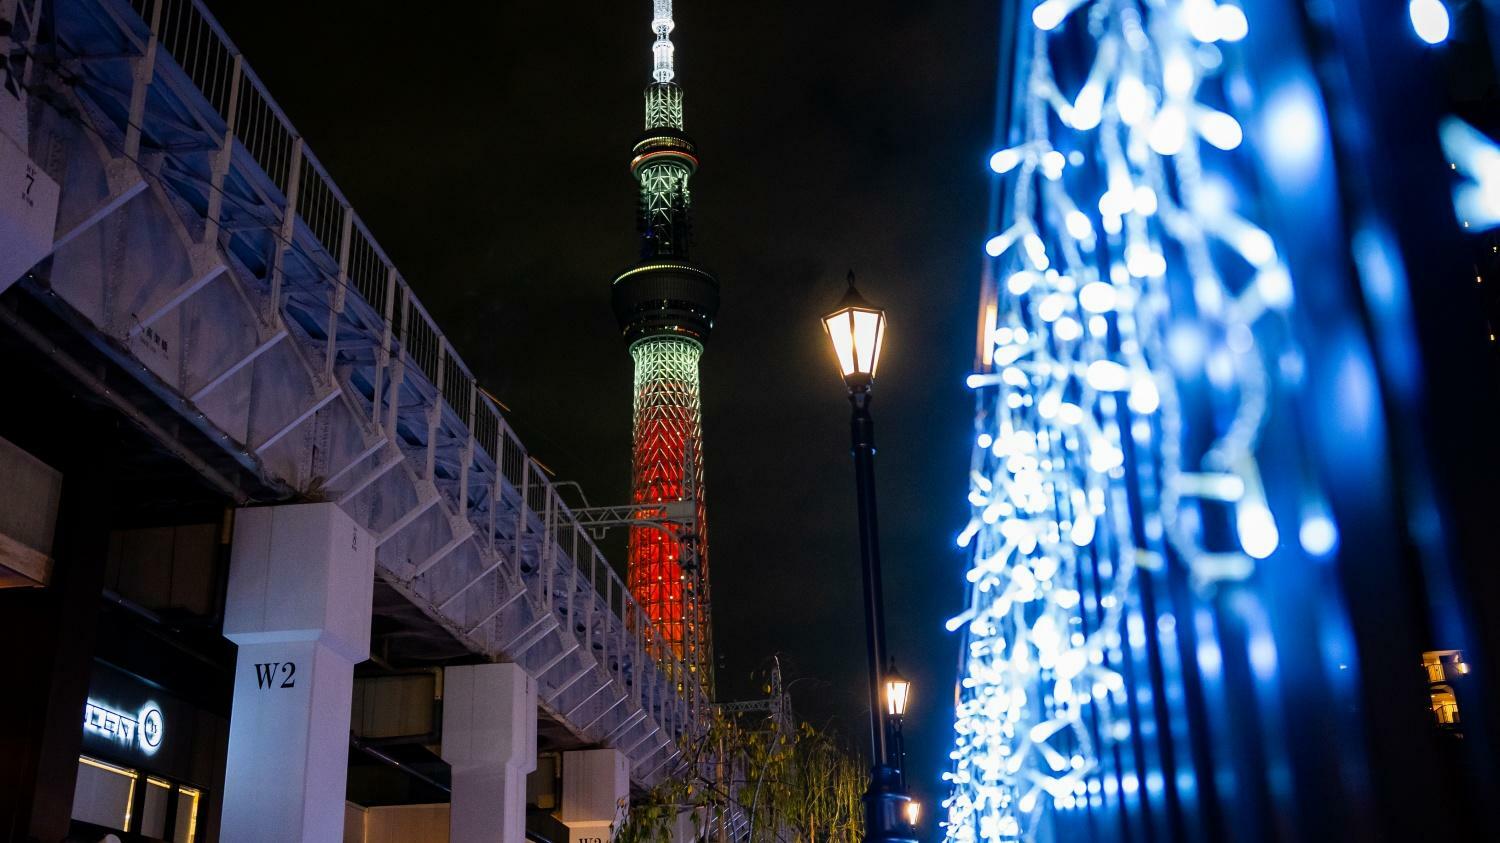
(798, 785)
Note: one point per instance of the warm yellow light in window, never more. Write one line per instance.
(119, 771)
(1433, 662)
(1445, 707)
(185, 792)
(105, 766)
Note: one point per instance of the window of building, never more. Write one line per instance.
(117, 798)
(1432, 661)
(104, 794)
(1444, 706)
(154, 810)
(1446, 670)
(185, 830)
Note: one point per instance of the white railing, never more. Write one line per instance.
(351, 261)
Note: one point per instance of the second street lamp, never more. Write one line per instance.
(897, 696)
(857, 331)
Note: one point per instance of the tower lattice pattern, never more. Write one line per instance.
(668, 467)
(664, 107)
(666, 306)
(664, 203)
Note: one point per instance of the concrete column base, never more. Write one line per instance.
(489, 741)
(596, 794)
(300, 584)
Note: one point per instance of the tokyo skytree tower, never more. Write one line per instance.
(666, 306)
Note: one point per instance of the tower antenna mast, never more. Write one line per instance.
(662, 24)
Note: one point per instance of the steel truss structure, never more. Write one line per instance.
(668, 468)
(664, 204)
(666, 307)
(664, 106)
(202, 247)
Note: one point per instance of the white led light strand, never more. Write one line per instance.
(1476, 199)
(1121, 393)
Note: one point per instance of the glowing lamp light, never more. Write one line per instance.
(1233, 26)
(1477, 159)
(1220, 129)
(913, 812)
(1429, 19)
(1257, 529)
(897, 693)
(1048, 14)
(1318, 534)
(1202, 20)
(1005, 160)
(857, 331)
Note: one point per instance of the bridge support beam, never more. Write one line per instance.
(28, 210)
(300, 586)
(596, 793)
(489, 740)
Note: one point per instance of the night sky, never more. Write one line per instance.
(486, 147)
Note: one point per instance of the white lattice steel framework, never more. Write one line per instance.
(666, 307)
(668, 466)
(664, 202)
(664, 107)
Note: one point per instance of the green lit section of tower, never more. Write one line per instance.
(666, 306)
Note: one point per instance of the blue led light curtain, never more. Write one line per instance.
(1215, 524)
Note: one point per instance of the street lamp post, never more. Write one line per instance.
(857, 331)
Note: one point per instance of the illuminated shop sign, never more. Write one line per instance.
(142, 729)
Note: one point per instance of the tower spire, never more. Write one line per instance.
(662, 24)
(666, 307)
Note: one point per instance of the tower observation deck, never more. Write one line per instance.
(666, 306)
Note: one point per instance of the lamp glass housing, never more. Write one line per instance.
(897, 694)
(857, 331)
(913, 812)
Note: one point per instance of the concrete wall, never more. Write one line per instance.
(29, 499)
(396, 824)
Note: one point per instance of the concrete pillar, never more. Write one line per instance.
(596, 793)
(51, 637)
(300, 584)
(489, 741)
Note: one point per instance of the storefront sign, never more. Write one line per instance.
(142, 729)
(135, 722)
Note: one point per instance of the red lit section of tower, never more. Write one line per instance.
(668, 568)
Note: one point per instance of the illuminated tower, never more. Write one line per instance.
(666, 307)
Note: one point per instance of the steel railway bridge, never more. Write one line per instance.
(205, 277)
